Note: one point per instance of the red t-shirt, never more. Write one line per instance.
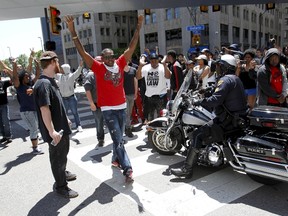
(275, 83)
(110, 85)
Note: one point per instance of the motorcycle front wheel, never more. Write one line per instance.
(157, 138)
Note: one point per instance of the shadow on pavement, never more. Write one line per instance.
(104, 193)
(48, 205)
(19, 160)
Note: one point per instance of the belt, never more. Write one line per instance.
(68, 97)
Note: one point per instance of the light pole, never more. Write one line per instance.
(41, 43)
(9, 51)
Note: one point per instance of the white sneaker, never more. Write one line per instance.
(80, 129)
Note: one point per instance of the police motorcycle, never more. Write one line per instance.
(169, 134)
(258, 148)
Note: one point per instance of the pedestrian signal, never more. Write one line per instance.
(86, 15)
(196, 40)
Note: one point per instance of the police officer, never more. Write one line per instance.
(229, 105)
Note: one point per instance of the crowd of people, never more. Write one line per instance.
(122, 91)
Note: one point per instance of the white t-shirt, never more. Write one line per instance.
(154, 79)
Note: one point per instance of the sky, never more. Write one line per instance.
(19, 36)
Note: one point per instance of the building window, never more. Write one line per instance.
(153, 18)
(286, 34)
(118, 32)
(65, 39)
(123, 33)
(245, 34)
(253, 38)
(77, 20)
(80, 34)
(173, 34)
(102, 31)
(107, 31)
(236, 32)
(169, 15)
(89, 32)
(68, 37)
(107, 17)
(117, 19)
(147, 19)
(124, 19)
(85, 33)
(100, 16)
(177, 13)
(151, 37)
(271, 24)
(224, 30)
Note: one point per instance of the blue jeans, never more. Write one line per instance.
(115, 120)
(5, 127)
(71, 102)
(98, 116)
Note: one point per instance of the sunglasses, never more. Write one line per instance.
(109, 57)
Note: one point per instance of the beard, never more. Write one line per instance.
(57, 69)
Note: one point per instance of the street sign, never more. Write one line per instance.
(195, 28)
(196, 32)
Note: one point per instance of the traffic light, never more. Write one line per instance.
(196, 40)
(86, 15)
(55, 20)
(216, 8)
(270, 6)
(204, 8)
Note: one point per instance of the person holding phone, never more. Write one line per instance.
(248, 74)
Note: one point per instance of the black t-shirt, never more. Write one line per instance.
(3, 91)
(46, 92)
(129, 86)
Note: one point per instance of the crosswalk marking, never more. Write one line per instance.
(200, 196)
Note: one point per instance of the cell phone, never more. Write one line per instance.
(243, 61)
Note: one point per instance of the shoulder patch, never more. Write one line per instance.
(220, 82)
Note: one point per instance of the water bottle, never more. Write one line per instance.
(61, 134)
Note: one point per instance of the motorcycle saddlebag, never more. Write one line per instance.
(275, 118)
(262, 149)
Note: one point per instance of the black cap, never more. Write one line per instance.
(153, 56)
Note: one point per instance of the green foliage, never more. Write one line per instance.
(23, 60)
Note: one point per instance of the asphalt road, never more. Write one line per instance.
(26, 180)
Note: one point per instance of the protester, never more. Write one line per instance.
(91, 93)
(111, 96)
(271, 80)
(5, 127)
(248, 75)
(52, 119)
(24, 87)
(131, 90)
(66, 82)
(177, 76)
(202, 70)
(155, 75)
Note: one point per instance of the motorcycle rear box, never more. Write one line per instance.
(270, 116)
(261, 149)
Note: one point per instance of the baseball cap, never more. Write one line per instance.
(205, 50)
(203, 57)
(48, 55)
(190, 62)
(153, 56)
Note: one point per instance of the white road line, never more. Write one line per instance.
(198, 197)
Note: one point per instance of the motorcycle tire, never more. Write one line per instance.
(156, 137)
(263, 180)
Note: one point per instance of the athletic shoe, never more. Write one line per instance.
(66, 192)
(70, 176)
(37, 151)
(79, 129)
(129, 176)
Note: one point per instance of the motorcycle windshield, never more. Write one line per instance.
(183, 89)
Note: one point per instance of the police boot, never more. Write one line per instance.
(187, 170)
